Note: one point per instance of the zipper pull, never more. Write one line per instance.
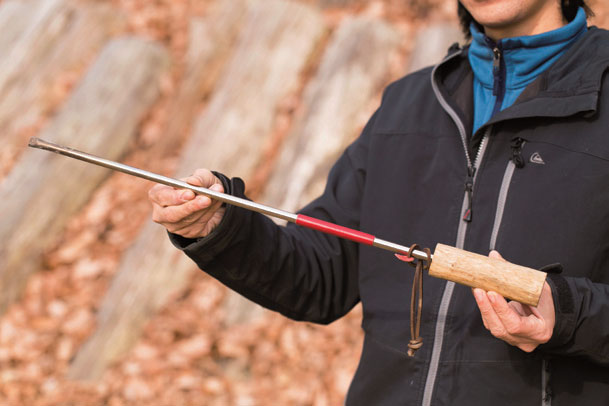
(516, 146)
(496, 70)
(469, 190)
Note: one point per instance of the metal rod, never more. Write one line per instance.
(140, 173)
(236, 201)
(390, 246)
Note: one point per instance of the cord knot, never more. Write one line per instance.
(414, 345)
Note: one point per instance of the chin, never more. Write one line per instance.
(498, 25)
(498, 19)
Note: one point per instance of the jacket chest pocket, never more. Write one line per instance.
(553, 206)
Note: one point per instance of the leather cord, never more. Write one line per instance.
(416, 299)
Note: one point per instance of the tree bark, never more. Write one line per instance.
(211, 43)
(41, 40)
(337, 104)
(432, 43)
(338, 3)
(271, 52)
(44, 190)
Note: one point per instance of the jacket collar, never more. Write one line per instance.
(570, 86)
(524, 57)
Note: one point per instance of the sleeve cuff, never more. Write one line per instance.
(564, 306)
(206, 248)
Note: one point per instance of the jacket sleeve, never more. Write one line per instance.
(582, 319)
(301, 273)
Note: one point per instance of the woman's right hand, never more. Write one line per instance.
(185, 213)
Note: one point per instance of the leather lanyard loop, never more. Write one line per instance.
(416, 299)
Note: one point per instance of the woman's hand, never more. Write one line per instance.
(183, 212)
(519, 325)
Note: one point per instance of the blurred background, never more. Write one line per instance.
(97, 307)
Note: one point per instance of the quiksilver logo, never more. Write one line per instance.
(536, 159)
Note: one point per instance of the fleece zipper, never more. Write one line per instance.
(466, 216)
(499, 75)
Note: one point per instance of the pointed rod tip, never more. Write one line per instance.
(34, 142)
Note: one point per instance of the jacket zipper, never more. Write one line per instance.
(469, 181)
(499, 93)
(466, 211)
(469, 190)
(546, 392)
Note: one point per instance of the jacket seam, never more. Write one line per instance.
(385, 346)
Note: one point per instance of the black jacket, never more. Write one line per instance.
(540, 195)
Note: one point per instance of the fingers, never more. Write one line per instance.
(208, 214)
(167, 196)
(204, 178)
(186, 213)
(490, 318)
(512, 322)
(183, 212)
(199, 211)
(521, 309)
(520, 325)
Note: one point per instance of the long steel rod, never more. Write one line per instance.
(299, 219)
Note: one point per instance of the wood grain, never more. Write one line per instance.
(272, 48)
(43, 191)
(42, 40)
(511, 281)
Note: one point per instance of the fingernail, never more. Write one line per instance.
(491, 297)
(216, 187)
(478, 294)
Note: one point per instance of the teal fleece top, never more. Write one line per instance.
(503, 69)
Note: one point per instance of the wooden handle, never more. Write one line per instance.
(511, 281)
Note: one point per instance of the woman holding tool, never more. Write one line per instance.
(503, 145)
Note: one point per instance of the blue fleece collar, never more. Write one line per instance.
(522, 60)
(525, 57)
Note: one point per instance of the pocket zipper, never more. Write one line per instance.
(516, 161)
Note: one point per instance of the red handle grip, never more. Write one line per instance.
(334, 229)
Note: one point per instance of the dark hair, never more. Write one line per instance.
(569, 10)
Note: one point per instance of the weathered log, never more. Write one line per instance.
(272, 50)
(211, 42)
(40, 40)
(338, 3)
(432, 43)
(337, 103)
(352, 71)
(44, 190)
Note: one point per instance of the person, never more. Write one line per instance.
(501, 147)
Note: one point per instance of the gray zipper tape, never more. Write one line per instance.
(436, 351)
(503, 193)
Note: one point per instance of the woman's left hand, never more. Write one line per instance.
(519, 325)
